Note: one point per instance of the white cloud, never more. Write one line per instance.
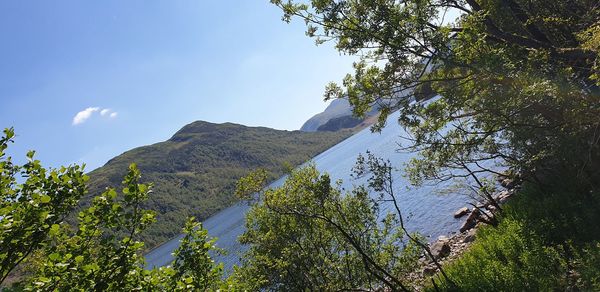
(83, 115)
(108, 113)
(87, 113)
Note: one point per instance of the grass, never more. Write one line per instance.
(547, 240)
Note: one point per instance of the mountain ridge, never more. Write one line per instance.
(337, 116)
(194, 172)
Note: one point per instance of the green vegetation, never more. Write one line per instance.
(195, 172)
(29, 211)
(519, 85)
(92, 258)
(518, 79)
(546, 241)
(308, 235)
(55, 256)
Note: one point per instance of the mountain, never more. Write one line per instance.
(337, 108)
(195, 171)
(337, 116)
(343, 122)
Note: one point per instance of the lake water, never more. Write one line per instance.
(428, 209)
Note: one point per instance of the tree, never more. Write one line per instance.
(308, 234)
(193, 263)
(29, 211)
(89, 258)
(94, 257)
(102, 252)
(518, 80)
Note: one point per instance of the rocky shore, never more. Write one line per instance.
(448, 248)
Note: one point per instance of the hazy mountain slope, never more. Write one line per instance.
(194, 173)
(337, 108)
(343, 122)
(337, 116)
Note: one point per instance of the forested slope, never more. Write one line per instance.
(195, 172)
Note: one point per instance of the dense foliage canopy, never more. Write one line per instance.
(90, 256)
(518, 79)
(310, 233)
(517, 83)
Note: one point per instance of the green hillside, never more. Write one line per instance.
(194, 173)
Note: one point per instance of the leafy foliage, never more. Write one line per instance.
(195, 172)
(90, 256)
(517, 84)
(34, 208)
(546, 241)
(517, 79)
(193, 263)
(90, 259)
(308, 234)
(509, 258)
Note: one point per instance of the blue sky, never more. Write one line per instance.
(152, 66)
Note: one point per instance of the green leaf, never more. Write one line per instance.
(45, 199)
(54, 256)
(54, 229)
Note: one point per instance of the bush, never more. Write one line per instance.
(102, 251)
(545, 241)
(509, 258)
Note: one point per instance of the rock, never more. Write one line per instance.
(471, 220)
(508, 183)
(491, 208)
(502, 176)
(503, 200)
(440, 249)
(470, 237)
(429, 271)
(467, 225)
(461, 212)
(474, 215)
(502, 194)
